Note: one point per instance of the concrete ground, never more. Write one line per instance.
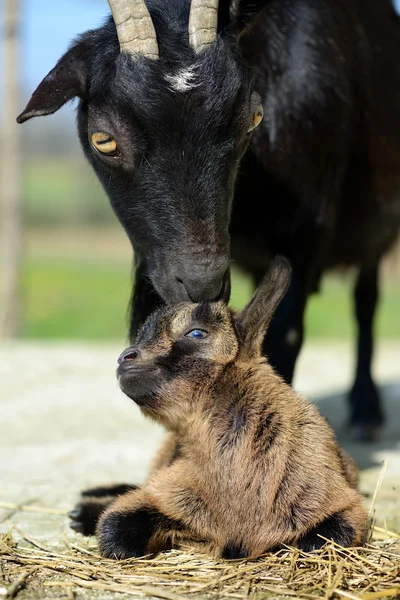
(65, 426)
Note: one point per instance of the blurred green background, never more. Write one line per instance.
(78, 273)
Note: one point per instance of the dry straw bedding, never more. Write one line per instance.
(30, 570)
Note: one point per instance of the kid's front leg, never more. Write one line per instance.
(134, 526)
(86, 513)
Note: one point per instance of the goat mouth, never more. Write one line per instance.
(127, 368)
(131, 375)
(138, 381)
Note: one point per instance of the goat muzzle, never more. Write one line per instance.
(129, 354)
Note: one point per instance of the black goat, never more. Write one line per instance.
(169, 99)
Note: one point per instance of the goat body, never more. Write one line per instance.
(318, 181)
(256, 467)
(249, 464)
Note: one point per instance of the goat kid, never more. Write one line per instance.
(249, 464)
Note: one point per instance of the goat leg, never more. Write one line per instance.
(366, 412)
(86, 513)
(285, 335)
(346, 528)
(134, 526)
(109, 490)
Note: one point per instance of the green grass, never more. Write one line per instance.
(330, 314)
(87, 299)
(64, 192)
(75, 300)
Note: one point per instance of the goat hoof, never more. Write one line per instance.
(78, 527)
(74, 514)
(126, 534)
(85, 514)
(366, 416)
(365, 432)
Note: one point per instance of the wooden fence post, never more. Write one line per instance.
(10, 176)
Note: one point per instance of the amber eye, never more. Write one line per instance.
(104, 143)
(257, 118)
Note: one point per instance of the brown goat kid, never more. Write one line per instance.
(249, 464)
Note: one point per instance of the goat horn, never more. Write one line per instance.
(135, 29)
(203, 23)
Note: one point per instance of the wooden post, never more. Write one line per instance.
(10, 176)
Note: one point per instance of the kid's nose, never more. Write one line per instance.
(129, 354)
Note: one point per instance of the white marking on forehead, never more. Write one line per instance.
(183, 80)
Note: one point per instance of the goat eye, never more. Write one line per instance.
(104, 143)
(257, 118)
(197, 334)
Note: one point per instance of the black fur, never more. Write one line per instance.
(141, 385)
(127, 535)
(234, 551)
(318, 179)
(85, 515)
(112, 490)
(334, 528)
(366, 299)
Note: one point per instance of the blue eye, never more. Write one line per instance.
(197, 334)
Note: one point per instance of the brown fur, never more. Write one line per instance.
(249, 464)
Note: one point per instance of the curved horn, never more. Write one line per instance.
(135, 29)
(203, 23)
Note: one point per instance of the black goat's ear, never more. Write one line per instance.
(67, 80)
(252, 322)
(244, 13)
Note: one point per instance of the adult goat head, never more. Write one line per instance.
(166, 111)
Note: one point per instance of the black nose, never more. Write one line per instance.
(206, 285)
(129, 354)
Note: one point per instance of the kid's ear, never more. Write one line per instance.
(67, 80)
(253, 321)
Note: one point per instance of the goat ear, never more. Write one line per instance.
(244, 13)
(252, 322)
(67, 80)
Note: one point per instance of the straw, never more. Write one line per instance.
(368, 573)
